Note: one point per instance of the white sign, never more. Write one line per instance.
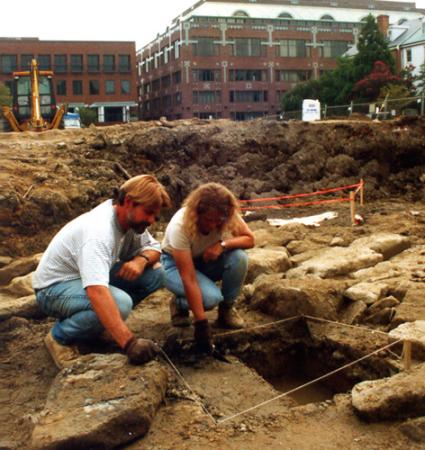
(311, 110)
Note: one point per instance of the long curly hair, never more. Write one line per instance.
(210, 197)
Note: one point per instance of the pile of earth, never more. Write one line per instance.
(48, 178)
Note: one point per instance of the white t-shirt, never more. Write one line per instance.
(87, 247)
(177, 238)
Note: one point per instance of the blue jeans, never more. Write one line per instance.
(231, 268)
(77, 321)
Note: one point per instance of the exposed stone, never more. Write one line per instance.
(288, 298)
(354, 312)
(400, 396)
(21, 266)
(20, 286)
(22, 307)
(5, 260)
(413, 332)
(366, 292)
(414, 429)
(100, 402)
(382, 316)
(267, 260)
(387, 302)
(387, 244)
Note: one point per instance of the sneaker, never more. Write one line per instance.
(62, 355)
(179, 317)
(228, 317)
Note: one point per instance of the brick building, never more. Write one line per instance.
(96, 74)
(235, 59)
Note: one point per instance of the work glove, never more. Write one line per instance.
(203, 337)
(140, 351)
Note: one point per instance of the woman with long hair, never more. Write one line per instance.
(203, 244)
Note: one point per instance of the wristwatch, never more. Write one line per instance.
(223, 245)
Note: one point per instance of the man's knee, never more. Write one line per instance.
(123, 301)
(211, 298)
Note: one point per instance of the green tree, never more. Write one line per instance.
(372, 47)
(421, 80)
(88, 116)
(5, 97)
(393, 95)
(292, 100)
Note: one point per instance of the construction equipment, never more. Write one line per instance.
(34, 107)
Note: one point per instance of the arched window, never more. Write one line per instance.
(240, 13)
(327, 17)
(285, 15)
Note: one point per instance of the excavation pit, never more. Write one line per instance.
(285, 365)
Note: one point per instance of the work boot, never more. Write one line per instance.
(228, 317)
(62, 355)
(179, 317)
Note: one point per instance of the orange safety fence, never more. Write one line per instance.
(359, 187)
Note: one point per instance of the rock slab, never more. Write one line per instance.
(100, 402)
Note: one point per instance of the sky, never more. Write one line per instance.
(91, 20)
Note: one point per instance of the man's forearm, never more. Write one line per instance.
(108, 313)
(151, 255)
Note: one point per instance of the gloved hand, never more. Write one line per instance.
(203, 337)
(140, 351)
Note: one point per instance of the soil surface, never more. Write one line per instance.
(47, 179)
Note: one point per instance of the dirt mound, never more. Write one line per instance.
(48, 179)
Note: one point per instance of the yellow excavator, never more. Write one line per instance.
(34, 107)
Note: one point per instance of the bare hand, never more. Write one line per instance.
(212, 252)
(131, 270)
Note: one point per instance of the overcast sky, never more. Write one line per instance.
(120, 20)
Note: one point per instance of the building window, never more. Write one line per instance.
(93, 63)
(26, 61)
(328, 18)
(59, 64)
(204, 47)
(164, 51)
(333, 49)
(293, 48)
(178, 98)
(409, 55)
(166, 101)
(176, 45)
(248, 75)
(177, 77)
(205, 75)
(206, 97)
(293, 76)
(125, 87)
(165, 81)
(94, 87)
(248, 96)
(108, 63)
(77, 87)
(61, 87)
(109, 87)
(156, 85)
(124, 63)
(76, 63)
(248, 47)
(8, 63)
(44, 62)
(240, 13)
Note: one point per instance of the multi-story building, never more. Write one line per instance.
(95, 74)
(407, 40)
(235, 59)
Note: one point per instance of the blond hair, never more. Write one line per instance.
(145, 189)
(210, 197)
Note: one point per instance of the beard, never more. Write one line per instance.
(138, 227)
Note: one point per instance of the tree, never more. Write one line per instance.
(87, 116)
(368, 88)
(292, 100)
(393, 95)
(5, 97)
(421, 80)
(372, 47)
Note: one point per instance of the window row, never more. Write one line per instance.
(208, 97)
(63, 63)
(92, 87)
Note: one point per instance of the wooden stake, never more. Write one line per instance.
(353, 207)
(361, 192)
(407, 354)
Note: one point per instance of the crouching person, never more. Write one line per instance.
(196, 255)
(98, 267)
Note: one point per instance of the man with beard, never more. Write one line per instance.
(98, 267)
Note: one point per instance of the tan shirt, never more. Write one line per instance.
(177, 238)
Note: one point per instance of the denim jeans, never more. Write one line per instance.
(77, 321)
(231, 268)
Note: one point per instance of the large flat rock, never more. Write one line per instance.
(21, 307)
(100, 402)
(400, 396)
(267, 260)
